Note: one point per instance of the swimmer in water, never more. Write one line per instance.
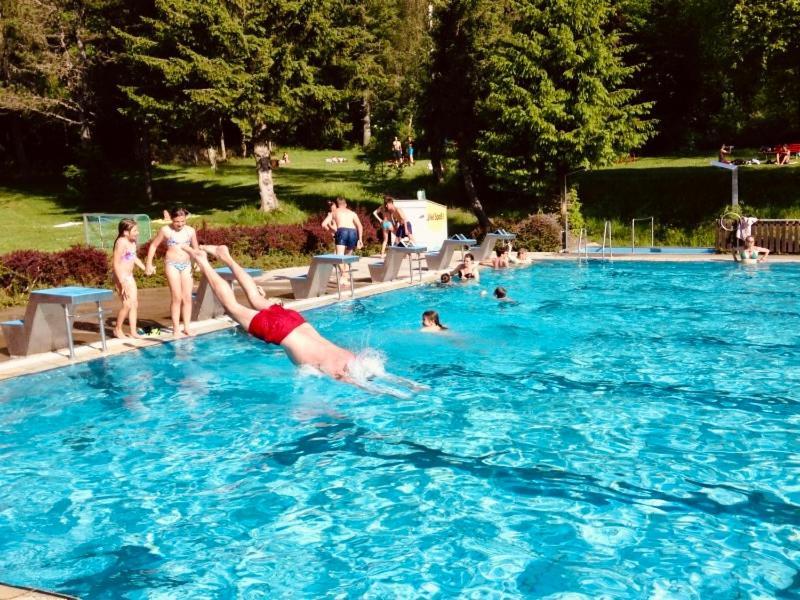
(271, 322)
(750, 254)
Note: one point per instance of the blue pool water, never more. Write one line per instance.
(621, 250)
(627, 430)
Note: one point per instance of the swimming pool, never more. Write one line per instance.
(621, 250)
(628, 430)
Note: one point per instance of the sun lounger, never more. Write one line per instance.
(206, 305)
(486, 247)
(49, 318)
(443, 258)
(315, 282)
(389, 269)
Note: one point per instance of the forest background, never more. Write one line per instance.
(513, 102)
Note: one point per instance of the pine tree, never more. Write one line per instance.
(557, 96)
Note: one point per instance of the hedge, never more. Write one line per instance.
(22, 271)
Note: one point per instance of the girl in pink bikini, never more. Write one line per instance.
(177, 267)
(124, 260)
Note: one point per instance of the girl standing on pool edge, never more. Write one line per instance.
(177, 267)
(124, 260)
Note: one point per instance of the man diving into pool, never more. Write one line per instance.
(271, 322)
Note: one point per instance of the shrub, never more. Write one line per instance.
(539, 232)
(23, 270)
(83, 265)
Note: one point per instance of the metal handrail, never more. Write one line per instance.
(583, 237)
(633, 232)
(607, 231)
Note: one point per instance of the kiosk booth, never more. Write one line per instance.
(428, 220)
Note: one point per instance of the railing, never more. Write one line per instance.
(652, 231)
(780, 236)
(583, 241)
(607, 232)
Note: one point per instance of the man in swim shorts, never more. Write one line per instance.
(403, 227)
(271, 322)
(349, 231)
(288, 329)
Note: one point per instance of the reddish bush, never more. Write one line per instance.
(83, 265)
(23, 270)
(539, 232)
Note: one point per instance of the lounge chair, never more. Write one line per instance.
(315, 282)
(443, 258)
(484, 251)
(206, 305)
(389, 269)
(49, 318)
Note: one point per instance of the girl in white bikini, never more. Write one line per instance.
(177, 267)
(124, 260)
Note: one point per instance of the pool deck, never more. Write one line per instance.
(154, 307)
(8, 592)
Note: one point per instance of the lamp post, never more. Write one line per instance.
(734, 179)
(564, 211)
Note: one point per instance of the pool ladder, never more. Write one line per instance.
(607, 232)
(583, 239)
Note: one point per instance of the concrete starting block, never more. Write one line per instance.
(389, 269)
(206, 305)
(315, 282)
(49, 318)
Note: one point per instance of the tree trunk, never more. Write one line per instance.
(212, 157)
(475, 204)
(147, 164)
(19, 147)
(244, 147)
(437, 164)
(366, 127)
(266, 186)
(223, 152)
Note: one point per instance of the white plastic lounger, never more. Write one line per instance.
(206, 305)
(486, 247)
(389, 269)
(48, 320)
(315, 282)
(443, 258)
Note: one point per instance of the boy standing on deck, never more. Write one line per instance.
(349, 233)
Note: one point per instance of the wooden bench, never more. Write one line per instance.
(49, 319)
(793, 149)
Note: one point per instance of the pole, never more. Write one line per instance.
(735, 187)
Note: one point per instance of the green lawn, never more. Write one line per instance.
(29, 212)
(684, 194)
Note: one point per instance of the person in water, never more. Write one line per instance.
(751, 253)
(467, 270)
(431, 322)
(274, 324)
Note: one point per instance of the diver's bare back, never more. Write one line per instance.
(345, 218)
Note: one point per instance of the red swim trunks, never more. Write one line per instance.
(275, 323)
